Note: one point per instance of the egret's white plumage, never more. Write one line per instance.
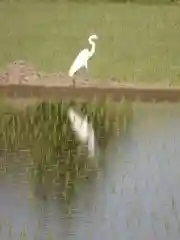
(83, 57)
(83, 130)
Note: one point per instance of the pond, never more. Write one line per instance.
(133, 195)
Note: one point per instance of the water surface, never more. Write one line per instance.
(135, 195)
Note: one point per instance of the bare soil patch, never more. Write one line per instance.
(24, 73)
(22, 80)
(21, 72)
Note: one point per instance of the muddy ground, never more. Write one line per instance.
(21, 72)
(21, 80)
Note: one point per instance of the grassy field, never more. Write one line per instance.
(137, 43)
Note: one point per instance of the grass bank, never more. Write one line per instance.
(137, 43)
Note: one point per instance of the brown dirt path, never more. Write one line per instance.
(21, 80)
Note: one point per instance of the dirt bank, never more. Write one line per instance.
(22, 73)
(21, 80)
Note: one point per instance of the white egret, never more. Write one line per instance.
(83, 57)
(83, 130)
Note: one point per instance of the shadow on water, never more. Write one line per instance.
(44, 130)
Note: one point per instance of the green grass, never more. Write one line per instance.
(137, 43)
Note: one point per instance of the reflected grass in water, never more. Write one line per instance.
(46, 131)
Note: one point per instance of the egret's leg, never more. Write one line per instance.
(73, 82)
(86, 70)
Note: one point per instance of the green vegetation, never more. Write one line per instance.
(45, 130)
(137, 43)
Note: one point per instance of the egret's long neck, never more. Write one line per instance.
(92, 51)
